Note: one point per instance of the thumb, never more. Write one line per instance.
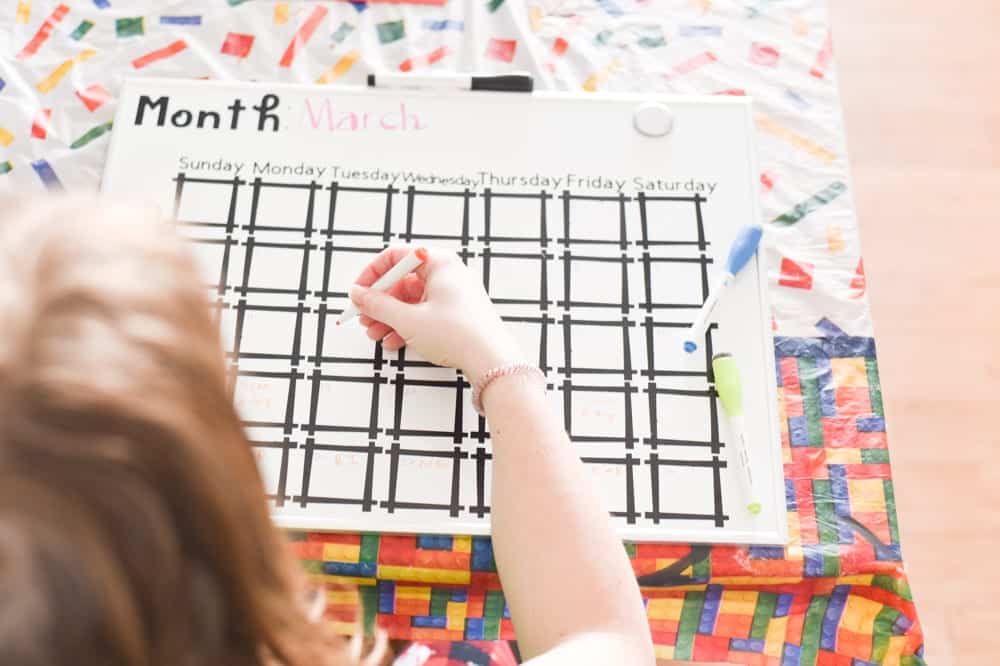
(382, 307)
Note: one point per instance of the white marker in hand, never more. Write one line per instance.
(390, 279)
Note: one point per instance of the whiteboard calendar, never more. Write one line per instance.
(597, 244)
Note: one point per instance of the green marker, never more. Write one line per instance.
(729, 386)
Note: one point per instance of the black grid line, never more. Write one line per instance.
(718, 515)
(709, 395)
(385, 235)
(542, 258)
(624, 368)
(392, 502)
(488, 224)
(567, 300)
(304, 241)
(628, 463)
(646, 242)
(279, 496)
(568, 238)
(366, 501)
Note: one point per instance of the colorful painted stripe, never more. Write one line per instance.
(303, 35)
(81, 30)
(6, 167)
(48, 176)
(774, 128)
(818, 200)
(193, 19)
(6, 138)
(91, 135)
(31, 48)
(428, 59)
(53, 79)
(340, 67)
(167, 51)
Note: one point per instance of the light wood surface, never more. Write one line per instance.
(920, 86)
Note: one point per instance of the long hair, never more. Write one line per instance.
(133, 521)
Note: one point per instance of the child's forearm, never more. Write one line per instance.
(564, 570)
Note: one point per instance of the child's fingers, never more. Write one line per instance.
(365, 320)
(378, 330)
(381, 264)
(393, 342)
(413, 288)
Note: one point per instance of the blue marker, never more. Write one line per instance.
(743, 248)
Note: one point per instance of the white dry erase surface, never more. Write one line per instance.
(597, 243)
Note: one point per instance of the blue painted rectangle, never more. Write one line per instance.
(701, 31)
(798, 431)
(871, 424)
(747, 644)
(434, 542)
(474, 627)
(429, 621)
(710, 609)
(354, 569)
(48, 176)
(180, 20)
(831, 619)
(443, 24)
(784, 605)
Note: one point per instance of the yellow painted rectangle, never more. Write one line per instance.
(861, 579)
(859, 615)
(281, 13)
(422, 575)
(340, 67)
(352, 580)
(461, 544)
(341, 552)
(843, 456)
(348, 597)
(408, 592)
(755, 580)
(23, 12)
(774, 642)
(664, 609)
(867, 495)
(53, 79)
(6, 138)
(664, 651)
(849, 372)
(773, 127)
(738, 602)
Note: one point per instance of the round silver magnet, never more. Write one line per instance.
(653, 119)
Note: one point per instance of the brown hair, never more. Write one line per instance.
(133, 521)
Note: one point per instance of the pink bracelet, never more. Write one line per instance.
(483, 383)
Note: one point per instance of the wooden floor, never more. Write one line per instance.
(920, 85)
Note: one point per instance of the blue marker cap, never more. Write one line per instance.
(743, 248)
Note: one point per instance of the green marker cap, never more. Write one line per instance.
(728, 384)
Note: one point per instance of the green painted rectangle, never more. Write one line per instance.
(875, 456)
(390, 31)
(493, 605)
(882, 631)
(6, 167)
(762, 614)
(630, 550)
(81, 29)
(493, 5)
(811, 401)
(811, 629)
(890, 509)
(369, 607)
(874, 386)
(439, 601)
(688, 625)
(826, 517)
(369, 548)
(129, 27)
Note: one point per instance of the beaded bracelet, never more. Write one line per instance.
(489, 377)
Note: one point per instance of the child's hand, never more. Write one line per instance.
(441, 311)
